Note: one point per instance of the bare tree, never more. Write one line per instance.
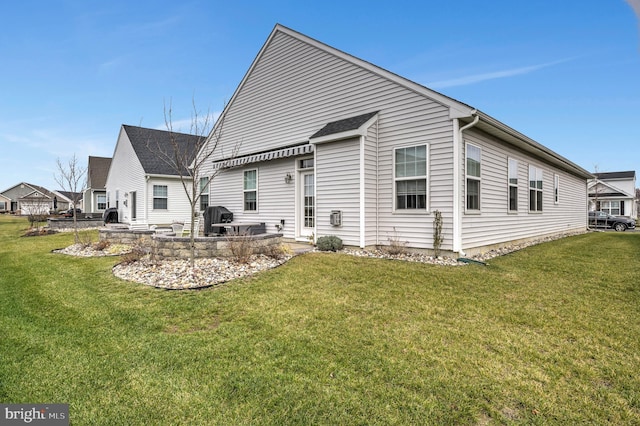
(70, 177)
(188, 163)
(36, 207)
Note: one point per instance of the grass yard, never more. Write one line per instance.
(547, 335)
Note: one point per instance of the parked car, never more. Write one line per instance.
(69, 213)
(601, 219)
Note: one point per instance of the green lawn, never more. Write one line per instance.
(547, 335)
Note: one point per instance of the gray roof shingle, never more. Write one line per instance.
(615, 175)
(98, 170)
(351, 123)
(147, 142)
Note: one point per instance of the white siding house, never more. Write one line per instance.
(339, 146)
(95, 195)
(614, 193)
(140, 185)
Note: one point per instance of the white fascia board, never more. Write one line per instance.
(167, 177)
(488, 123)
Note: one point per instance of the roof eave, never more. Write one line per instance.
(494, 127)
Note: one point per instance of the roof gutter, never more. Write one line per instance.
(458, 140)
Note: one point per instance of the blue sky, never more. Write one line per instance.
(565, 73)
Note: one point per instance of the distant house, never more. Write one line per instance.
(140, 185)
(95, 193)
(614, 193)
(330, 144)
(26, 198)
(5, 204)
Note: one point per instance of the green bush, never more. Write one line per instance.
(329, 243)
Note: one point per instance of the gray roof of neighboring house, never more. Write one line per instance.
(97, 170)
(148, 142)
(616, 175)
(351, 123)
(71, 195)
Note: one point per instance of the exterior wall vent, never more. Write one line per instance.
(335, 218)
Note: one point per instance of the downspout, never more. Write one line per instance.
(457, 208)
(363, 198)
(377, 188)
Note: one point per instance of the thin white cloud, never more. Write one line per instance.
(476, 78)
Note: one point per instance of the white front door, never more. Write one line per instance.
(307, 212)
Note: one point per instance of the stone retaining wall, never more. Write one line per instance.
(67, 222)
(125, 236)
(169, 246)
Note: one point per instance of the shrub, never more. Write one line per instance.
(276, 251)
(241, 246)
(134, 255)
(101, 245)
(329, 243)
(395, 247)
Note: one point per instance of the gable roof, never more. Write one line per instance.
(457, 109)
(31, 186)
(147, 142)
(70, 196)
(97, 171)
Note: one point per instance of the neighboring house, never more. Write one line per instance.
(140, 185)
(329, 144)
(26, 198)
(95, 193)
(5, 204)
(614, 193)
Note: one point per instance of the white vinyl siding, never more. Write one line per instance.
(276, 198)
(338, 188)
(495, 226)
(295, 89)
(125, 175)
(371, 186)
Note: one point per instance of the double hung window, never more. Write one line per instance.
(160, 197)
(410, 177)
(535, 188)
(513, 184)
(250, 190)
(204, 193)
(473, 162)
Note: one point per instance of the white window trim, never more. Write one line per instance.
(556, 189)
(204, 191)
(153, 195)
(477, 178)
(513, 185)
(537, 169)
(244, 191)
(406, 178)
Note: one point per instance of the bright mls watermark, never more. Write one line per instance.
(36, 414)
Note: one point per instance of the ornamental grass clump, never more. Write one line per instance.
(329, 243)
